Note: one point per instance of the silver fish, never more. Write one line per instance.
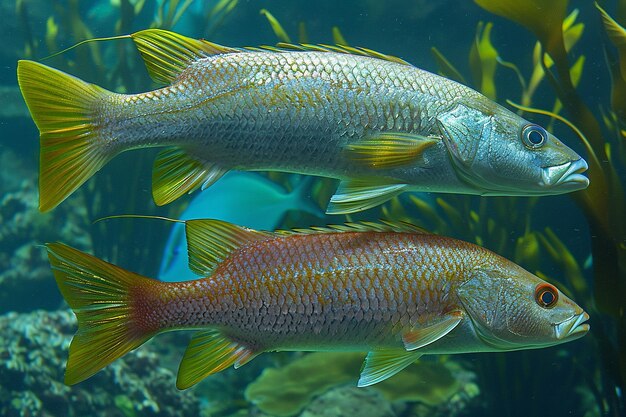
(377, 123)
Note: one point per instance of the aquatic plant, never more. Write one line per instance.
(489, 222)
(287, 390)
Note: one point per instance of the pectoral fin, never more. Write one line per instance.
(210, 352)
(382, 364)
(177, 173)
(390, 150)
(422, 336)
(357, 195)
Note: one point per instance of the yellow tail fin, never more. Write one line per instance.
(107, 301)
(62, 107)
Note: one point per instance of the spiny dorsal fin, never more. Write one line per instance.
(341, 49)
(209, 242)
(166, 54)
(363, 226)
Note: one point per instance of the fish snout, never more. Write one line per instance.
(572, 328)
(566, 177)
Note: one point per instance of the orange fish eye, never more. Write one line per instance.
(546, 295)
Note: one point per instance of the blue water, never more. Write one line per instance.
(582, 378)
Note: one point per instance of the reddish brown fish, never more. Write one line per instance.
(387, 289)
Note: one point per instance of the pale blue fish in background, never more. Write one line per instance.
(242, 198)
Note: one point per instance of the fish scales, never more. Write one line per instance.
(327, 290)
(383, 288)
(378, 124)
(286, 111)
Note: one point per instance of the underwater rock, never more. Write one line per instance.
(26, 282)
(349, 401)
(33, 351)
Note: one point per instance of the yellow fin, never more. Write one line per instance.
(362, 226)
(341, 49)
(176, 173)
(210, 352)
(166, 54)
(209, 242)
(384, 363)
(435, 330)
(390, 150)
(63, 107)
(357, 195)
(100, 294)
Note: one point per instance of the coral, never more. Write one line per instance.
(287, 390)
(24, 270)
(34, 350)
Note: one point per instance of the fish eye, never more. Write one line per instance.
(546, 295)
(534, 136)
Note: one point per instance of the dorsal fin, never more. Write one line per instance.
(363, 226)
(341, 49)
(166, 54)
(209, 242)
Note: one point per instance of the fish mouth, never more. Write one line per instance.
(566, 177)
(572, 328)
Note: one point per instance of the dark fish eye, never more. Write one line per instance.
(534, 136)
(546, 295)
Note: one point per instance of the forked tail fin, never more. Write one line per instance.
(107, 301)
(62, 107)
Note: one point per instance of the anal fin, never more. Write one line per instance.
(177, 173)
(357, 195)
(210, 352)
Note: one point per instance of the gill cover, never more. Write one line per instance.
(500, 312)
(482, 298)
(463, 129)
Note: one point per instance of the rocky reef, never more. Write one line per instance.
(33, 351)
(26, 282)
